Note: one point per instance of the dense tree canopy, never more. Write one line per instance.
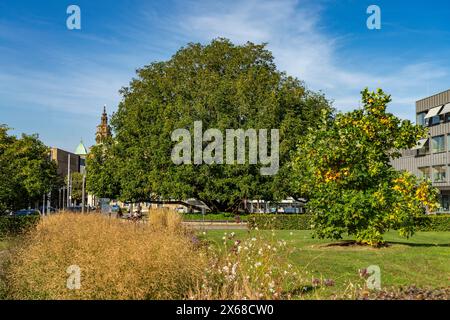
(102, 171)
(26, 171)
(344, 170)
(225, 86)
(77, 186)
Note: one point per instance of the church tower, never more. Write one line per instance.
(103, 129)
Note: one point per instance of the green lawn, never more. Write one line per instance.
(423, 260)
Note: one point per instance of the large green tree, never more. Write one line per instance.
(225, 86)
(344, 170)
(102, 171)
(26, 171)
(77, 186)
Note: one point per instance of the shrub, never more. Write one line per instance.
(118, 259)
(304, 222)
(280, 221)
(11, 225)
(221, 216)
(433, 223)
(344, 169)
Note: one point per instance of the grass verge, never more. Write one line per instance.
(422, 261)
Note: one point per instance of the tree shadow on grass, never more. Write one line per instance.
(353, 244)
(425, 245)
(387, 244)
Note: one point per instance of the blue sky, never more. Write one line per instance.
(55, 81)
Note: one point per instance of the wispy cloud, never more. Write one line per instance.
(294, 32)
(43, 66)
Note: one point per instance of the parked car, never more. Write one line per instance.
(47, 209)
(181, 209)
(115, 208)
(26, 212)
(291, 210)
(74, 209)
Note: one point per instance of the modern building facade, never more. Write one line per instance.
(62, 158)
(431, 156)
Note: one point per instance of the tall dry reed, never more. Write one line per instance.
(118, 259)
(156, 259)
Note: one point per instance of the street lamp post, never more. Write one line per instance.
(68, 181)
(82, 194)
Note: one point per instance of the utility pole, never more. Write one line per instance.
(43, 205)
(49, 202)
(63, 197)
(82, 193)
(68, 181)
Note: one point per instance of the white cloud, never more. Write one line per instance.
(295, 35)
(82, 82)
(77, 91)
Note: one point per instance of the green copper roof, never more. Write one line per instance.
(81, 149)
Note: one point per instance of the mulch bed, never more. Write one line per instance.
(406, 293)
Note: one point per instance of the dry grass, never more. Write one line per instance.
(250, 269)
(155, 260)
(118, 259)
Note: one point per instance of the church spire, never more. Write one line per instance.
(103, 129)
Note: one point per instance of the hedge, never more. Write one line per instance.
(11, 226)
(280, 221)
(439, 222)
(213, 217)
(304, 221)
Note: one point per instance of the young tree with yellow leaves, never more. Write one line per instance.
(344, 170)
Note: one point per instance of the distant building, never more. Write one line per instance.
(103, 129)
(61, 157)
(430, 158)
(82, 152)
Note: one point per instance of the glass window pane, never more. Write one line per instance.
(439, 173)
(438, 144)
(425, 172)
(421, 118)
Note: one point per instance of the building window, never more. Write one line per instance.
(439, 173)
(425, 149)
(421, 118)
(434, 120)
(438, 144)
(445, 202)
(425, 172)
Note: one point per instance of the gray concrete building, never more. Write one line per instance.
(431, 156)
(61, 157)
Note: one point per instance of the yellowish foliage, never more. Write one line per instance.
(118, 259)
